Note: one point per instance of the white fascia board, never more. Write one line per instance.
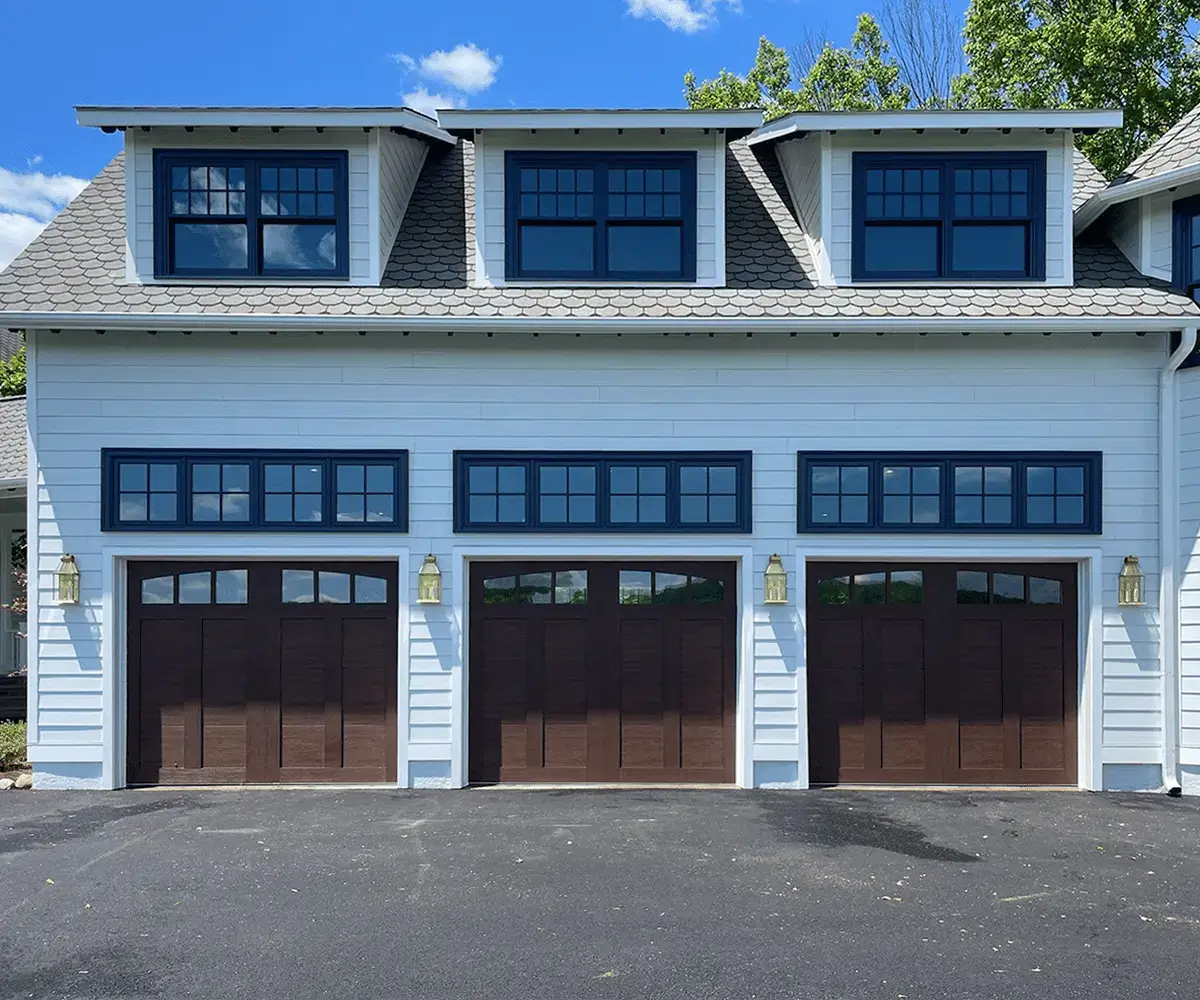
(226, 323)
(896, 121)
(592, 119)
(124, 117)
(1095, 206)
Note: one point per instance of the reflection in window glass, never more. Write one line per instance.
(233, 586)
(869, 588)
(496, 494)
(708, 494)
(195, 588)
(839, 494)
(536, 588)
(298, 586)
(670, 588)
(500, 590)
(906, 586)
(370, 590)
(293, 493)
(835, 590)
(365, 493)
(567, 494)
(638, 494)
(334, 587)
(1054, 494)
(147, 491)
(158, 590)
(634, 587)
(1043, 591)
(1008, 588)
(704, 591)
(220, 492)
(983, 494)
(912, 494)
(571, 586)
(972, 587)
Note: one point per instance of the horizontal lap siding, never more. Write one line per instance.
(139, 151)
(774, 396)
(710, 208)
(1189, 537)
(1058, 208)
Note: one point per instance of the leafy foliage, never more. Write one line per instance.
(859, 77)
(12, 375)
(12, 744)
(1138, 55)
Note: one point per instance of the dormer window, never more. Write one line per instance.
(966, 217)
(251, 214)
(601, 216)
(1187, 247)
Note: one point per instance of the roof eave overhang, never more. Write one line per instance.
(399, 119)
(803, 122)
(233, 322)
(733, 124)
(1097, 204)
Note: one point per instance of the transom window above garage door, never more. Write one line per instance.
(940, 491)
(605, 491)
(200, 490)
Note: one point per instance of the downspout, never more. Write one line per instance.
(1168, 416)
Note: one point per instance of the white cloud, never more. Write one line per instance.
(465, 67)
(425, 102)
(688, 16)
(27, 204)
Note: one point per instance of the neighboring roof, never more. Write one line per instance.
(1088, 180)
(10, 343)
(855, 121)
(12, 439)
(466, 121)
(1178, 147)
(73, 276)
(112, 118)
(1173, 159)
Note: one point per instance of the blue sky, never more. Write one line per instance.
(478, 53)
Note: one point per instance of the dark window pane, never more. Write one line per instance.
(307, 508)
(381, 478)
(825, 479)
(1042, 591)
(722, 510)
(557, 249)
(652, 479)
(333, 588)
(1068, 510)
(583, 479)
(206, 506)
(693, 479)
(670, 588)
(132, 476)
(553, 479)
(623, 510)
(536, 588)
(927, 509)
(278, 507)
(233, 586)
(634, 587)
(896, 509)
(640, 249)
(381, 508)
(500, 589)
(163, 507)
(510, 509)
(897, 479)
(158, 590)
(298, 586)
(997, 479)
(834, 591)
(693, 509)
(854, 479)
(235, 507)
(906, 586)
(972, 588)
(990, 248)
(854, 510)
(351, 507)
(299, 248)
(308, 478)
(581, 509)
(195, 588)
(481, 509)
(132, 507)
(481, 478)
(370, 590)
(235, 478)
(1040, 510)
(351, 478)
(210, 246)
(1069, 479)
(1008, 588)
(554, 509)
(652, 510)
(511, 478)
(997, 510)
(968, 510)
(869, 588)
(825, 510)
(900, 250)
(1039, 479)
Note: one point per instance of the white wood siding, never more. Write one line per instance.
(1125, 230)
(1189, 548)
(139, 164)
(897, 392)
(800, 160)
(710, 191)
(1160, 209)
(1059, 239)
(400, 160)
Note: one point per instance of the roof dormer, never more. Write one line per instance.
(266, 195)
(600, 197)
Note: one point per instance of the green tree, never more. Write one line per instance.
(859, 77)
(1137, 55)
(12, 375)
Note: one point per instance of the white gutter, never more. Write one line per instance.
(12, 484)
(1094, 207)
(1168, 591)
(227, 322)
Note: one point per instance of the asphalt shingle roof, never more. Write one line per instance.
(12, 438)
(1088, 180)
(1178, 147)
(78, 265)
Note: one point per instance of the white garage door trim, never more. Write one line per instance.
(1090, 560)
(169, 547)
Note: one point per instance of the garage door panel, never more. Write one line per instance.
(983, 691)
(565, 694)
(702, 696)
(232, 685)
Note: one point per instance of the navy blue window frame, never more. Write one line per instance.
(1035, 161)
(599, 163)
(252, 161)
(1090, 461)
(184, 459)
(533, 461)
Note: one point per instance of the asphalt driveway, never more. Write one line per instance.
(499, 894)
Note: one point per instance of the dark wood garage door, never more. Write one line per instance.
(602, 672)
(944, 674)
(261, 672)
